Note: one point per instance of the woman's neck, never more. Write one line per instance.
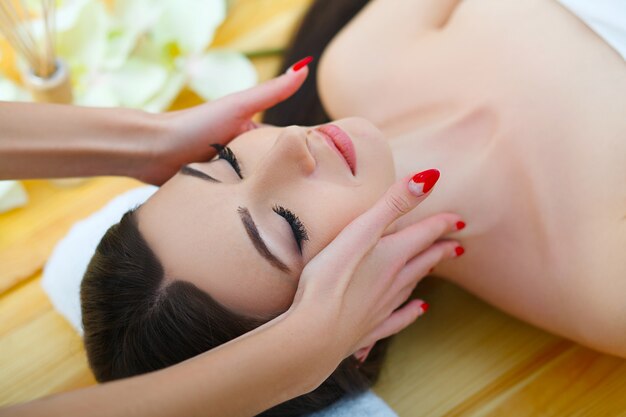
(467, 148)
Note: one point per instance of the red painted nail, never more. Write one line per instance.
(424, 307)
(459, 250)
(423, 182)
(460, 225)
(431, 270)
(302, 63)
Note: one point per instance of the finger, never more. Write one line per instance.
(408, 242)
(397, 321)
(263, 96)
(362, 353)
(403, 196)
(417, 268)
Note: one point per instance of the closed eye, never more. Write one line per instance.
(225, 153)
(300, 233)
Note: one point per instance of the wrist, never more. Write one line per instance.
(316, 327)
(141, 139)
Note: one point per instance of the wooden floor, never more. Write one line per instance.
(463, 358)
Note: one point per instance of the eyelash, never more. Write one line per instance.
(224, 152)
(298, 229)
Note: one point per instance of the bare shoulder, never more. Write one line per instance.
(604, 324)
(355, 68)
(383, 63)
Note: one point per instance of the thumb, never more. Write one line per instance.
(404, 195)
(268, 94)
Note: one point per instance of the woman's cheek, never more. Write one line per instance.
(326, 227)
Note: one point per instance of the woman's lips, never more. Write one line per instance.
(341, 143)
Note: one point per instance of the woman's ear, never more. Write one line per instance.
(362, 353)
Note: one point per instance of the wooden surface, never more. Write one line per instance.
(463, 358)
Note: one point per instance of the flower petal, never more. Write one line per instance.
(131, 20)
(84, 44)
(131, 85)
(67, 13)
(9, 91)
(138, 81)
(218, 73)
(137, 15)
(98, 93)
(167, 94)
(190, 24)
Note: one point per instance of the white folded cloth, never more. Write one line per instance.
(67, 264)
(367, 404)
(605, 17)
(12, 195)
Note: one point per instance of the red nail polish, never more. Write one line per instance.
(424, 307)
(302, 63)
(423, 182)
(459, 250)
(430, 271)
(460, 225)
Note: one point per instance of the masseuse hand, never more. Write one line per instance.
(355, 285)
(190, 132)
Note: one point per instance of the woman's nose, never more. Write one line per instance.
(289, 157)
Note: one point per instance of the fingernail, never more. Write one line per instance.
(423, 182)
(460, 225)
(302, 63)
(459, 250)
(424, 307)
(430, 271)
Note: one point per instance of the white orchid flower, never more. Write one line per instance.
(9, 91)
(141, 53)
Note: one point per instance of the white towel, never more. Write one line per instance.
(68, 262)
(12, 195)
(367, 404)
(605, 17)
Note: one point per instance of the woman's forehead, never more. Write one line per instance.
(198, 236)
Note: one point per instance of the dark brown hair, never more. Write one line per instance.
(136, 321)
(324, 20)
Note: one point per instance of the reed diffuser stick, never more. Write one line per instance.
(47, 77)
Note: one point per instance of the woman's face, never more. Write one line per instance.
(246, 240)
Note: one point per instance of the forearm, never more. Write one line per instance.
(51, 141)
(268, 366)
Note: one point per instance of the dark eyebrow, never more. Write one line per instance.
(257, 241)
(246, 218)
(192, 172)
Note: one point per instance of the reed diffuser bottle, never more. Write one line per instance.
(31, 33)
(44, 74)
